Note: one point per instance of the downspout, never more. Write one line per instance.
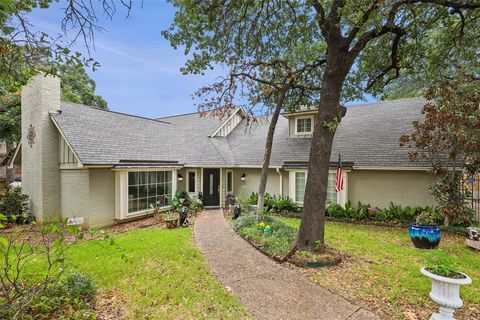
(280, 189)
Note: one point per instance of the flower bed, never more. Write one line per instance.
(270, 235)
(276, 239)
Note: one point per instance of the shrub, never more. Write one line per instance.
(43, 296)
(362, 211)
(80, 286)
(196, 205)
(283, 205)
(253, 199)
(463, 216)
(394, 213)
(335, 210)
(426, 218)
(15, 207)
(244, 221)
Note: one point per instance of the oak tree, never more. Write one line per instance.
(364, 45)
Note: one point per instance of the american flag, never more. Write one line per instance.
(339, 178)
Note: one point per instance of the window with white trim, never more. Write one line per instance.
(304, 125)
(331, 193)
(149, 188)
(191, 181)
(229, 181)
(301, 180)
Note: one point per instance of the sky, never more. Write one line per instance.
(140, 71)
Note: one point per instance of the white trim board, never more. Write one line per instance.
(226, 121)
(80, 163)
(311, 125)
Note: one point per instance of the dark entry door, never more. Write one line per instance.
(211, 187)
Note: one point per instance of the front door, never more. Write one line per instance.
(211, 187)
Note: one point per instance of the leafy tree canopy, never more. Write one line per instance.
(323, 51)
(78, 87)
(416, 38)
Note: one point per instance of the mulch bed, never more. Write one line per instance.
(31, 234)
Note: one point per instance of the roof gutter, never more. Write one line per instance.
(392, 168)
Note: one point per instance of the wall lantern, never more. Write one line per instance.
(243, 176)
(180, 177)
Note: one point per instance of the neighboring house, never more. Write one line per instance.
(4, 159)
(102, 166)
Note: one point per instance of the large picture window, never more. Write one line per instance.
(149, 188)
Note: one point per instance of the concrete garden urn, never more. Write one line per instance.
(446, 292)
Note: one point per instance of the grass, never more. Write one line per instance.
(164, 276)
(382, 269)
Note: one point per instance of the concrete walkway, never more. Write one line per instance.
(267, 289)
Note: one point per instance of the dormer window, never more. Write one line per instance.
(304, 125)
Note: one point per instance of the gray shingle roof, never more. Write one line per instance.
(367, 136)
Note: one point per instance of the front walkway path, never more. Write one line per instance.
(267, 289)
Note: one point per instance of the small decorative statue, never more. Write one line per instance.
(184, 216)
(231, 199)
(474, 234)
(237, 210)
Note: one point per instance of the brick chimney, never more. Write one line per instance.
(40, 145)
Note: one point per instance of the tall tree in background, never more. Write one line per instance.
(24, 51)
(449, 138)
(363, 44)
(78, 87)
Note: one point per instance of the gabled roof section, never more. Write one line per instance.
(229, 124)
(368, 136)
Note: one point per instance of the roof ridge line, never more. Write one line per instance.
(116, 112)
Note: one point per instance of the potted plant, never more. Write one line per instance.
(446, 282)
(171, 221)
(372, 212)
(425, 233)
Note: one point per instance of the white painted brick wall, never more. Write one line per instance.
(89, 193)
(40, 169)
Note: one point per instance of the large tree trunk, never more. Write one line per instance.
(311, 234)
(268, 150)
(10, 172)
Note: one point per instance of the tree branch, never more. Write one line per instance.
(394, 63)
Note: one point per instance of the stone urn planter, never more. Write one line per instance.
(446, 293)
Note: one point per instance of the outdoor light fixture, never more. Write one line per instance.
(243, 176)
(180, 177)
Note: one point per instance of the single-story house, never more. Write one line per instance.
(102, 167)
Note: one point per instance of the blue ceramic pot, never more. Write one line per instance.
(425, 237)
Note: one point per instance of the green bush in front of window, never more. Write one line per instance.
(284, 206)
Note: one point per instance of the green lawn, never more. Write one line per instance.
(382, 269)
(164, 277)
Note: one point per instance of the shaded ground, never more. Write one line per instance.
(381, 271)
(267, 289)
